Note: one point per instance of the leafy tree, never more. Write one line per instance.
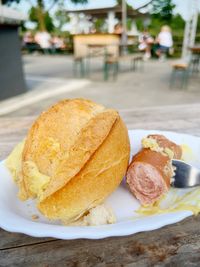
(177, 24)
(39, 12)
(163, 10)
(198, 24)
(45, 24)
(61, 16)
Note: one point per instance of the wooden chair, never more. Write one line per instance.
(137, 61)
(110, 64)
(79, 66)
(181, 68)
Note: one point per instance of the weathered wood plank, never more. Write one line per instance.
(9, 240)
(174, 245)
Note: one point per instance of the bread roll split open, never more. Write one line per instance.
(75, 155)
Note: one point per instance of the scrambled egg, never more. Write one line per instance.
(13, 163)
(34, 180)
(152, 144)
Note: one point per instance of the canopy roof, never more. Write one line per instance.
(10, 16)
(102, 12)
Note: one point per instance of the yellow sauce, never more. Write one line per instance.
(187, 153)
(175, 200)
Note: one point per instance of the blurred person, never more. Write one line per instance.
(118, 29)
(29, 42)
(43, 38)
(165, 42)
(145, 43)
(57, 43)
(28, 38)
(93, 30)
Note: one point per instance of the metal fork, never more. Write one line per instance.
(185, 175)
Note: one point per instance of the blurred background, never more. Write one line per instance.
(123, 54)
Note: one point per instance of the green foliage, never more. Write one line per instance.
(129, 23)
(140, 24)
(155, 26)
(163, 10)
(48, 22)
(33, 14)
(99, 24)
(198, 25)
(40, 13)
(177, 24)
(61, 16)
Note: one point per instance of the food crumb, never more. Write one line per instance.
(35, 217)
(99, 215)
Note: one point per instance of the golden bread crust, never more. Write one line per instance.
(100, 176)
(53, 136)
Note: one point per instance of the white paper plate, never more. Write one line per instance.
(16, 216)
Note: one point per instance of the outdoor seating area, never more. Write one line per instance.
(111, 56)
(100, 133)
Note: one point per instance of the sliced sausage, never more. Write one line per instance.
(150, 172)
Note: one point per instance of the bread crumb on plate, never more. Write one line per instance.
(35, 217)
(99, 215)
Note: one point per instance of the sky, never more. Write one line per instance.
(182, 6)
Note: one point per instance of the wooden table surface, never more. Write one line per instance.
(173, 245)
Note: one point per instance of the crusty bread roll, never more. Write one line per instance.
(75, 155)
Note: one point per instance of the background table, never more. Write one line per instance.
(173, 245)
